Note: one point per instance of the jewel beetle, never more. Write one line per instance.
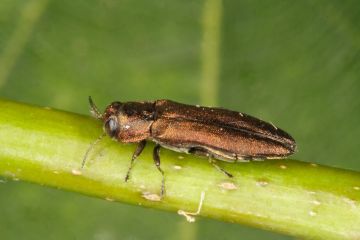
(213, 132)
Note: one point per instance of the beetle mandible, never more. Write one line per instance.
(213, 132)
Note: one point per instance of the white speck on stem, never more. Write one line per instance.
(313, 164)
(316, 202)
(151, 196)
(109, 199)
(10, 174)
(180, 157)
(177, 167)
(312, 213)
(262, 183)
(76, 172)
(227, 186)
(283, 167)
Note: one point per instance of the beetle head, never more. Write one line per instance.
(109, 117)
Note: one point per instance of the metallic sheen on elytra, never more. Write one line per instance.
(214, 132)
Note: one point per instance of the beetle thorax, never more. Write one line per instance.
(135, 121)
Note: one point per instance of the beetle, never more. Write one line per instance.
(213, 132)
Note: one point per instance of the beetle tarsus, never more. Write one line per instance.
(213, 162)
(156, 156)
(140, 147)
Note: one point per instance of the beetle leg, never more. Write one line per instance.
(136, 153)
(204, 152)
(156, 157)
(213, 162)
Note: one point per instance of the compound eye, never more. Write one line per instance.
(111, 127)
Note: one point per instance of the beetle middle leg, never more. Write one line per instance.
(156, 157)
(140, 147)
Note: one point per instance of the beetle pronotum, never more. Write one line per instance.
(213, 132)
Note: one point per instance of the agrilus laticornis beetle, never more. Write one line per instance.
(213, 132)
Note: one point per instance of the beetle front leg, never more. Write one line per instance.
(156, 157)
(140, 147)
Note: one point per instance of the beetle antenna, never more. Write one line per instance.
(94, 110)
(91, 147)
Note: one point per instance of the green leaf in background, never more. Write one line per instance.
(296, 64)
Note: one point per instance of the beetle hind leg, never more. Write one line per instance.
(204, 152)
(156, 156)
(214, 163)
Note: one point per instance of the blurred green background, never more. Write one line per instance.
(294, 63)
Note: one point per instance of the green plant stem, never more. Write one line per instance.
(46, 146)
